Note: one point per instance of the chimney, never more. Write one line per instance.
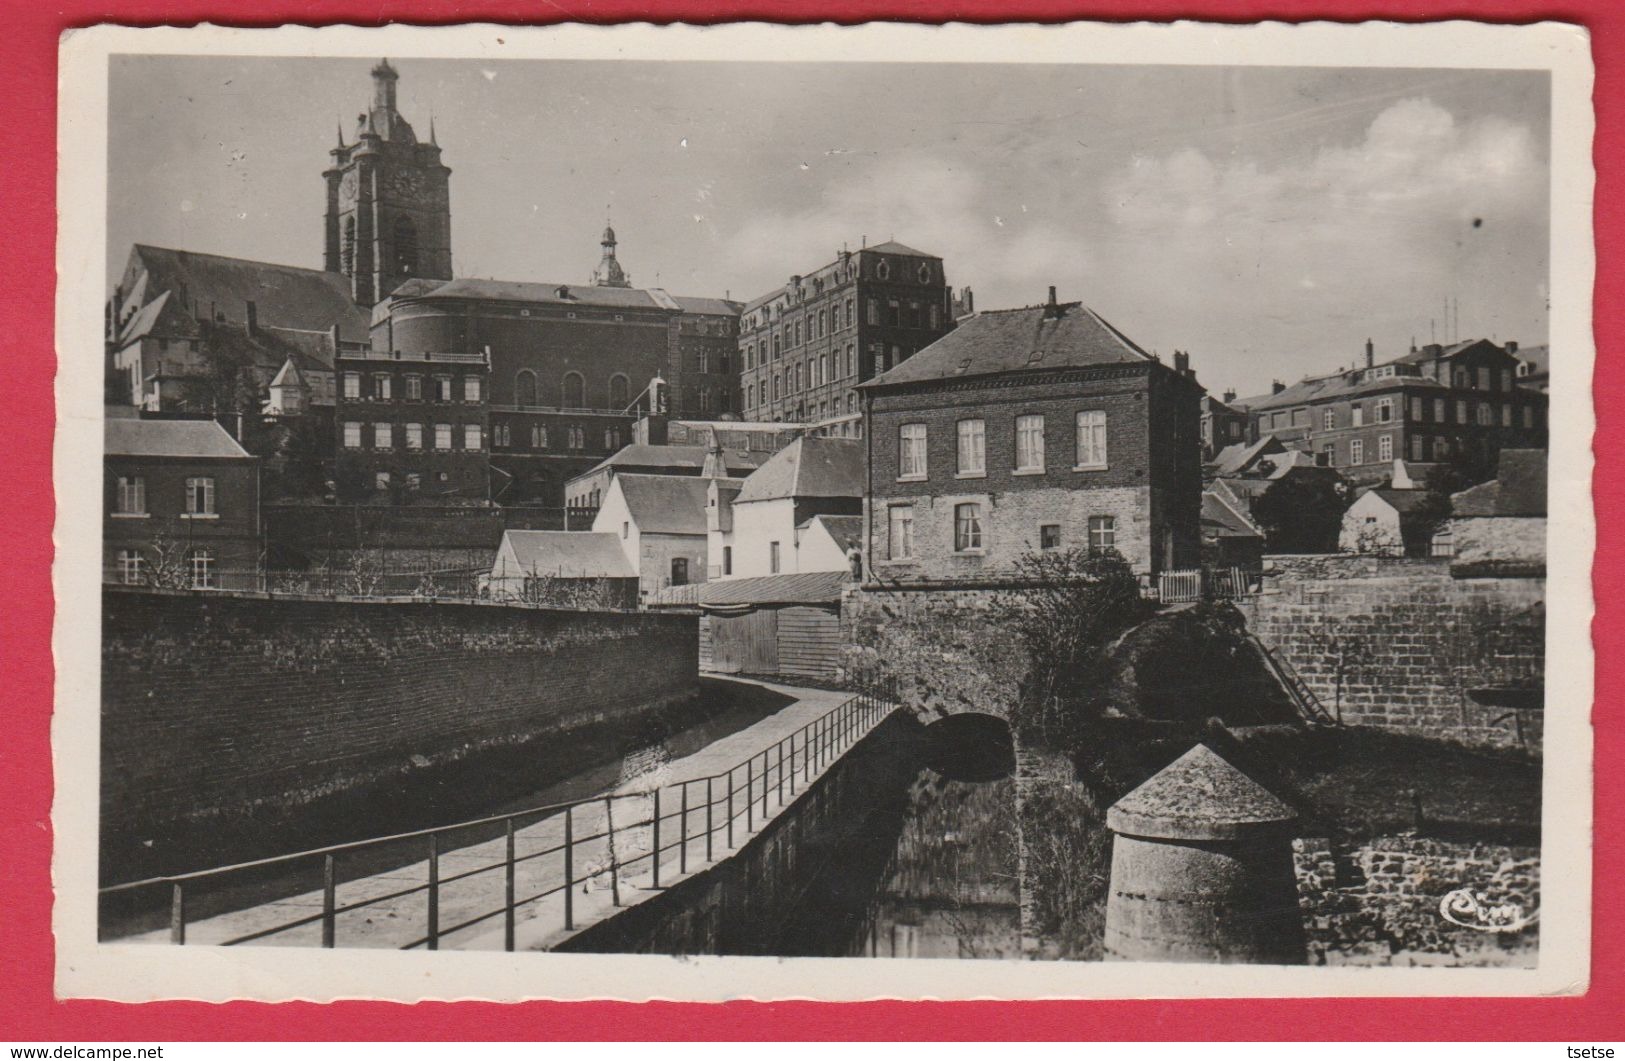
(1512, 346)
(1052, 294)
(253, 318)
(1370, 354)
(1182, 362)
(333, 338)
(1276, 386)
(1229, 396)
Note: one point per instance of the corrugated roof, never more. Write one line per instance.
(806, 587)
(1070, 335)
(845, 531)
(567, 554)
(284, 296)
(809, 467)
(1518, 489)
(169, 438)
(665, 504)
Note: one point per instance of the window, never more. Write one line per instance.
(1385, 447)
(1327, 457)
(575, 391)
(911, 462)
(383, 436)
(618, 388)
(1049, 536)
(201, 562)
(1419, 448)
(967, 527)
(894, 314)
(200, 496)
(612, 438)
(471, 436)
(850, 317)
(1439, 410)
(1506, 415)
(679, 571)
(414, 436)
(1441, 448)
(1461, 412)
(501, 434)
(823, 370)
(750, 397)
(773, 557)
(883, 269)
(851, 359)
(406, 246)
(1528, 417)
(852, 403)
(972, 452)
(381, 386)
(442, 388)
(414, 388)
(626, 530)
(727, 559)
(1358, 414)
(1506, 379)
(1102, 533)
(1092, 439)
(352, 434)
(821, 319)
(524, 388)
(1385, 410)
(1483, 377)
(442, 436)
(1357, 451)
(471, 388)
(578, 438)
(538, 436)
(750, 355)
(130, 567)
(352, 385)
(1486, 415)
(936, 317)
(900, 532)
(775, 386)
(132, 496)
(1300, 418)
(798, 333)
(722, 367)
(1328, 420)
(1418, 409)
(872, 311)
(1030, 443)
(380, 481)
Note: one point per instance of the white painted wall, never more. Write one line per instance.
(1371, 526)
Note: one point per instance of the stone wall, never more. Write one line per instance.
(1379, 903)
(1402, 645)
(215, 706)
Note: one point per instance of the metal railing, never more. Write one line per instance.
(591, 839)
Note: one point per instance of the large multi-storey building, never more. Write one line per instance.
(412, 427)
(805, 347)
(1028, 430)
(1436, 403)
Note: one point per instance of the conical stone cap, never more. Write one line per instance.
(1199, 796)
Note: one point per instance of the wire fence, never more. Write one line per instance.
(620, 841)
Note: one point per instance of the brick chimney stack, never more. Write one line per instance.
(1229, 396)
(1182, 362)
(1370, 354)
(253, 318)
(1276, 386)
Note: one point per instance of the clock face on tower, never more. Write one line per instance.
(408, 183)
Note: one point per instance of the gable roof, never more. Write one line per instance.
(284, 296)
(1238, 456)
(808, 467)
(804, 587)
(169, 438)
(1518, 489)
(845, 531)
(679, 458)
(1402, 501)
(566, 554)
(1070, 335)
(1220, 516)
(665, 504)
(1337, 385)
(1421, 354)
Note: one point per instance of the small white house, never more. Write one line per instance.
(1381, 522)
(532, 565)
(659, 522)
(798, 512)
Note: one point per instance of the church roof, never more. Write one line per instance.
(1068, 335)
(284, 296)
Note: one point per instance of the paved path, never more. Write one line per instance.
(472, 888)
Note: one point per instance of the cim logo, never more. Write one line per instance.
(1471, 909)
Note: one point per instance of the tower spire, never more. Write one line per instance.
(609, 272)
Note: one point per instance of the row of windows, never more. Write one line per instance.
(971, 446)
(200, 568)
(970, 538)
(441, 388)
(572, 390)
(131, 499)
(1383, 410)
(1423, 448)
(893, 312)
(702, 362)
(882, 271)
(574, 437)
(383, 435)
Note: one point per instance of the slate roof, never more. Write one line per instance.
(1198, 796)
(1539, 358)
(1336, 385)
(575, 295)
(284, 296)
(665, 504)
(891, 246)
(1402, 501)
(169, 438)
(1518, 489)
(1221, 519)
(846, 531)
(567, 554)
(806, 587)
(1421, 355)
(808, 467)
(1238, 456)
(1070, 335)
(678, 457)
(722, 307)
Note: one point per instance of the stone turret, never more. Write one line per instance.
(1202, 869)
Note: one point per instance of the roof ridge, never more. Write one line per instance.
(234, 258)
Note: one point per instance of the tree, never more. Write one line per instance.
(1302, 513)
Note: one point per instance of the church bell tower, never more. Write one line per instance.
(388, 200)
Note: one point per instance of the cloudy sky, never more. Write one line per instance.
(1268, 220)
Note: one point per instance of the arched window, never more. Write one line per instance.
(524, 388)
(406, 246)
(750, 397)
(575, 391)
(349, 246)
(618, 388)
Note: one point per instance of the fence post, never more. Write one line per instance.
(329, 890)
(806, 756)
(682, 832)
(792, 765)
(750, 795)
(507, 916)
(177, 915)
(731, 770)
(781, 773)
(765, 767)
(614, 870)
(708, 826)
(569, 871)
(434, 891)
(654, 856)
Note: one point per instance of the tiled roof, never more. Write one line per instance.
(284, 296)
(845, 531)
(806, 587)
(809, 467)
(665, 504)
(1070, 335)
(169, 438)
(1518, 489)
(566, 554)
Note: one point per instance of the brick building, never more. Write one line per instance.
(412, 427)
(182, 504)
(1027, 429)
(806, 346)
(1436, 403)
(1222, 424)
